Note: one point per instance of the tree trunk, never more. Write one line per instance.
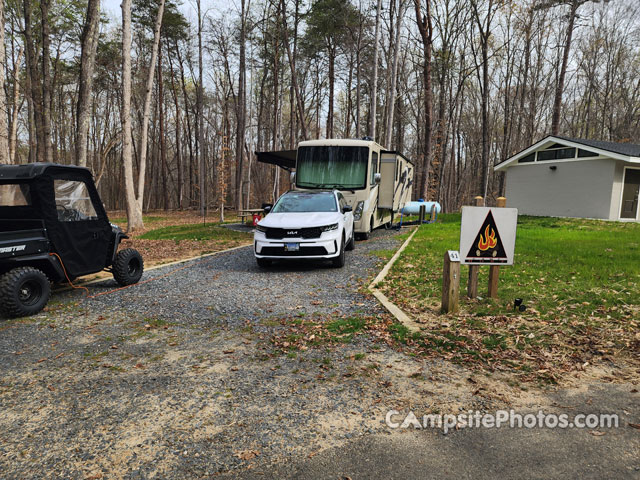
(4, 129)
(88, 46)
(394, 75)
(332, 79)
(426, 33)
(241, 107)
(374, 94)
(134, 209)
(13, 131)
(294, 76)
(36, 139)
(46, 81)
(199, 107)
(144, 133)
(557, 101)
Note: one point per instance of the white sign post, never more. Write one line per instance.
(488, 235)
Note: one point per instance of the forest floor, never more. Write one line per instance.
(171, 236)
(219, 368)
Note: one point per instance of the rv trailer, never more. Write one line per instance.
(377, 183)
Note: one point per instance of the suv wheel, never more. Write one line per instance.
(24, 291)
(128, 267)
(338, 261)
(263, 262)
(352, 241)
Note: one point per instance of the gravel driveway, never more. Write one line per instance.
(179, 377)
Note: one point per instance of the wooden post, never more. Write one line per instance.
(472, 283)
(494, 270)
(433, 213)
(450, 284)
(422, 213)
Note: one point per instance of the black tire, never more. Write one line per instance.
(263, 262)
(352, 241)
(24, 291)
(128, 267)
(338, 262)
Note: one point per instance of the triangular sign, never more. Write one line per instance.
(487, 247)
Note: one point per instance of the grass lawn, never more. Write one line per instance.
(199, 231)
(578, 278)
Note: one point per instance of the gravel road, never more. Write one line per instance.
(178, 377)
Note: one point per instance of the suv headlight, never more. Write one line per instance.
(328, 228)
(357, 213)
(260, 228)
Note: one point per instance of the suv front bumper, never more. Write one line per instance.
(327, 246)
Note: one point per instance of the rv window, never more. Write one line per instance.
(15, 195)
(73, 202)
(332, 167)
(374, 167)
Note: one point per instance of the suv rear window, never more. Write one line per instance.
(15, 195)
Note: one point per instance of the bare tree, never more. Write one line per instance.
(4, 130)
(394, 74)
(144, 132)
(134, 208)
(374, 81)
(425, 26)
(89, 46)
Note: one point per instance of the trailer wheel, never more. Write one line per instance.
(24, 291)
(367, 234)
(128, 267)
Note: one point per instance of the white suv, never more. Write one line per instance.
(305, 224)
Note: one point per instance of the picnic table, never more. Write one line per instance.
(249, 212)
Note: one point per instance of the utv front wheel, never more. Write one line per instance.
(128, 267)
(24, 291)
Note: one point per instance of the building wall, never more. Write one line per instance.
(616, 193)
(582, 189)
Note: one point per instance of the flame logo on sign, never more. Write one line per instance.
(488, 241)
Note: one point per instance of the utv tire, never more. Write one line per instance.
(338, 262)
(263, 262)
(24, 291)
(128, 267)
(352, 241)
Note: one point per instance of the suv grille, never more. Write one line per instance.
(303, 252)
(279, 233)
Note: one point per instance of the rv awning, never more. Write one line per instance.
(283, 158)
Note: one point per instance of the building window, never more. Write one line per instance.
(529, 158)
(586, 153)
(556, 154)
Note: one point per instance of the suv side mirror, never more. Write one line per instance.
(292, 178)
(347, 208)
(376, 178)
(267, 207)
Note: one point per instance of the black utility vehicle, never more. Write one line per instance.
(53, 228)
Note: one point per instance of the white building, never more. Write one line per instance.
(572, 177)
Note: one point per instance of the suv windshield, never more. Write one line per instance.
(332, 167)
(306, 202)
(15, 195)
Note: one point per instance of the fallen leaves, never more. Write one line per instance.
(247, 454)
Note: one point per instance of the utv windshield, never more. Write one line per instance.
(15, 195)
(306, 202)
(332, 167)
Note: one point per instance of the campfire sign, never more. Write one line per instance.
(488, 235)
